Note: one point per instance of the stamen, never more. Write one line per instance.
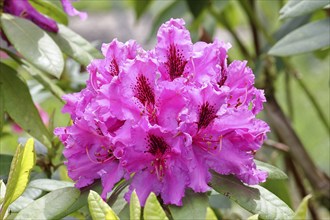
(100, 158)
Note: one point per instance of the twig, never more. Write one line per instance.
(277, 145)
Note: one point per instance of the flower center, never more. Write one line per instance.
(158, 147)
(101, 156)
(143, 91)
(223, 76)
(176, 62)
(113, 68)
(206, 114)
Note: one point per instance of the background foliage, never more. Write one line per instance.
(286, 44)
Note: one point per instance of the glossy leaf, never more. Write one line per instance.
(20, 203)
(51, 10)
(17, 97)
(51, 205)
(273, 172)
(302, 210)
(152, 209)
(43, 79)
(307, 38)
(98, 208)
(194, 204)
(294, 8)
(34, 44)
(74, 45)
(134, 206)
(49, 184)
(210, 214)
(21, 166)
(255, 199)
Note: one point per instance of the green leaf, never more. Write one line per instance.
(301, 212)
(210, 214)
(43, 79)
(273, 172)
(294, 8)
(134, 207)
(33, 43)
(152, 209)
(140, 7)
(23, 161)
(98, 208)
(307, 38)
(5, 165)
(194, 204)
(75, 46)
(51, 10)
(2, 107)
(51, 205)
(49, 184)
(255, 199)
(196, 7)
(253, 217)
(17, 98)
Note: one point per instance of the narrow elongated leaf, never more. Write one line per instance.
(301, 212)
(51, 10)
(98, 208)
(152, 209)
(23, 161)
(194, 204)
(273, 172)
(196, 7)
(210, 214)
(307, 38)
(2, 108)
(255, 199)
(33, 43)
(134, 207)
(51, 205)
(294, 8)
(75, 46)
(17, 98)
(140, 7)
(49, 184)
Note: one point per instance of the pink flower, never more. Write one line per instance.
(164, 118)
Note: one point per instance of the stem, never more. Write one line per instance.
(288, 94)
(254, 32)
(301, 188)
(319, 181)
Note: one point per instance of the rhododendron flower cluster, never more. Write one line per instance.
(164, 117)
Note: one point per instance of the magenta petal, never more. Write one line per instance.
(110, 175)
(70, 10)
(22, 8)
